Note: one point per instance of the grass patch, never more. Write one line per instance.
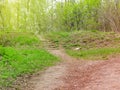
(57, 38)
(15, 62)
(21, 53)
(18, 38)
(94, 54)
(92, 44)
(84, 39)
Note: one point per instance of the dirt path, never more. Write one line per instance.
(52, 78)
(72, 74)
(101, 75)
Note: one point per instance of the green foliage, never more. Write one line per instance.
(57, 38)
(18, 38)
(26, 40)
(20, 54)
(91, 44)
(95, 53)
(77, 16)
(48, 15)
(84, 39)
(14, 62)
(22, 14)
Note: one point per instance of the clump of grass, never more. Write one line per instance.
(14, 62)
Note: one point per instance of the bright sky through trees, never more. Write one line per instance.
(47, 0)
(12, 0)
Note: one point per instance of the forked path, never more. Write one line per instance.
(73, 74)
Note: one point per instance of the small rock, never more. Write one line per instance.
(78, 48)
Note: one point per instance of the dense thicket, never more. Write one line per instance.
(47, 15)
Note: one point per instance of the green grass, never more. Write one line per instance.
(18, 38)
(95, 53)
(83, 39)
(92, 44)
(21, 53)
(15, 62)
(57, 38)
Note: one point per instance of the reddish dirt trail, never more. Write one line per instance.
(74, 74)
(90, 75)
(102, 75)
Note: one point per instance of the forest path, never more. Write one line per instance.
(73, 74)
(54, 77)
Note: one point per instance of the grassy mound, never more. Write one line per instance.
(87, 44)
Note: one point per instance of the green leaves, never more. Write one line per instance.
(80, 15)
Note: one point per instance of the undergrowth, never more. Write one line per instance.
(21, 53)
(18, 38)
(87, 44)
(95, 53)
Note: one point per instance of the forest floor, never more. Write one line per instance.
(73, 74)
